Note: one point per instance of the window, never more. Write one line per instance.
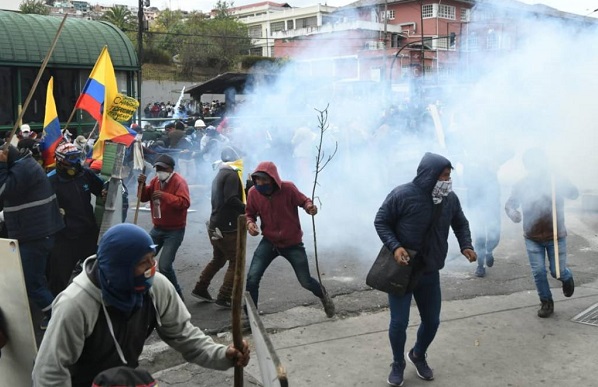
(257, 51)
(306, 22)
(255, 31)
(473, 42)
(428, 10)
(276, 26)
(492, 40)
(465, 14)
(389, 13)
(447, 11)
(290, 24)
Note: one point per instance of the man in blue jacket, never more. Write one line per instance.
(32, 217)
(417, 216)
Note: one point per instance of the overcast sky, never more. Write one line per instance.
(582, 7)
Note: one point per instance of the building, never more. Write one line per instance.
(267, 21)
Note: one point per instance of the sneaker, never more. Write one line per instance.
(395, 378)
(202, 294)
(43, 325)
(490, 260)
(222, 303)
(421, 366)
(480, 272)
(546, 309)
(329, 308)
(568, 287)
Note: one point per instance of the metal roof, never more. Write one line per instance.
(219, 84)
(26, 40)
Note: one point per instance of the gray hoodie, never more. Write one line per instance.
(74, 315)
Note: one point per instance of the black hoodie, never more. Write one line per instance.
(404, 217)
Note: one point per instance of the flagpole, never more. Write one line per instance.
(39, 75)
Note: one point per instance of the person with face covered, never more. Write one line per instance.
(73, 184)
(170, 198)
(402, 223)
(105, 315)
(534, 195)
(276, 202)
(32, 217)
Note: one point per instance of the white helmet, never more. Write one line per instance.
(199, 124)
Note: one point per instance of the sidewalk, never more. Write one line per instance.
(485, 341)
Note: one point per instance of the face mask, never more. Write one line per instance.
(162, 176)
(68, 171)
(143, 282)
(25, 134)
(264, 189)
(441, 189)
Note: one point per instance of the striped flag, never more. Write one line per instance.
(52, 136)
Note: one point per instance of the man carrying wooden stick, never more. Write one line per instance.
(533, 195)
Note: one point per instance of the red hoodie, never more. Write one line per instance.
(277, 212)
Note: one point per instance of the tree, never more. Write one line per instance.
(121, 17)
(34, 6)
(213, 43)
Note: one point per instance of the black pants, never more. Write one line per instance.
(65, 255)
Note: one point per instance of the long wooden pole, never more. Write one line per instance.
(139, 187)
(39, 75)
(555, 237)
(237, 297)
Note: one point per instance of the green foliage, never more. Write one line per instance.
(34, 6)
(156, 56)
(249, 61)
(199, 41)
(121, 17)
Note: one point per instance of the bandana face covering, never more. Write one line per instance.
(441, 190)
(143, 282)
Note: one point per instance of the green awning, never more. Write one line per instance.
(26, 39)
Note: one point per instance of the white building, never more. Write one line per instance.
(267, 21)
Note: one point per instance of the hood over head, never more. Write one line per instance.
(120, 250)
(429, 170)
(268, 168)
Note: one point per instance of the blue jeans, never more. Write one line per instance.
(168, 241)
(264, 255)
(537, 252)
(428, 299)
(34, 258)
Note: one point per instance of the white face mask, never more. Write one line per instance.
(441, 189)
(162, 175)
(25, 134)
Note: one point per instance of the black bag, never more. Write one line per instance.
(388, 276)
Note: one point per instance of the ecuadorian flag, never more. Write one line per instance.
(98, 95)
(52, 136)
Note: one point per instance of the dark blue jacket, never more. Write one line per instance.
(404, 217)
(30, 205)
(74, 198)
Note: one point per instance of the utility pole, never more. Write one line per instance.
(140, 55)
(421, 21)
(384, 68)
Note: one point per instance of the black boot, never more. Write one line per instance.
(546, 309)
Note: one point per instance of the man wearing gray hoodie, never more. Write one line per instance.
(103, 318)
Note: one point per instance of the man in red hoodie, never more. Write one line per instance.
(169, 194)
(276, 202)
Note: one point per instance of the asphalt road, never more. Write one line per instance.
(343, 270)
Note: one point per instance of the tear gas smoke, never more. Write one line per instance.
(538, 90)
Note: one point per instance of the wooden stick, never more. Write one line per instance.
(39, 75)
(555, 237)
(237, 297)
(137, 143)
